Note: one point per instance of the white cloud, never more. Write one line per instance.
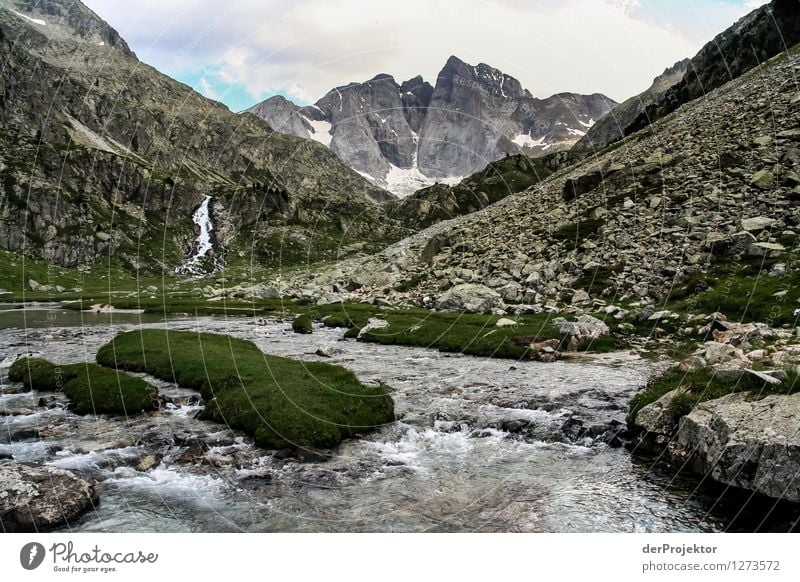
(305, 48)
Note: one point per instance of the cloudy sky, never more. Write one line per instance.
(242, 51)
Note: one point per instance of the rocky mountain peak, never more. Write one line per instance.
(409, 136)
(61, 20)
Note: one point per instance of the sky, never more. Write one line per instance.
(243, 51)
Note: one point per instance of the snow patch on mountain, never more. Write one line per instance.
(28, 18)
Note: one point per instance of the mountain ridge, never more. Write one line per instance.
(410, 135)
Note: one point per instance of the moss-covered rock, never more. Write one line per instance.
(91, 389)
(278, 401)
(302, 324)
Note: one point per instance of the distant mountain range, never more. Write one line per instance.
(407, 136)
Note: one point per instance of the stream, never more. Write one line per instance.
(482, 445)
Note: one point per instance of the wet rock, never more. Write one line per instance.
(147, 462)
(656, 422)
(744, 441)
(256, 482)
(41, 498)
(326, 351)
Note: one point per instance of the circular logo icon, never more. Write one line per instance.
(31, 555)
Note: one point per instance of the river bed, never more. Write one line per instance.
(481, 445)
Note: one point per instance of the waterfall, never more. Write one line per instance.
(203, 244)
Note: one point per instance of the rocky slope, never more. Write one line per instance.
(762, 34)
(409, 135)
(103, 156)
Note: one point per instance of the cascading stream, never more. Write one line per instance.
(204, 243)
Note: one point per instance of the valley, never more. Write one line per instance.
(408, 307)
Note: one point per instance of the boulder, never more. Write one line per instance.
(469, 298)
(580, 296)
(373, 323)
(758, 223)
(505, 322)
(657, 422)
(585, 326)
(35, 499)
(744, 441)
(762, 179)
(765, 249)
(574, 187)
(716, 353)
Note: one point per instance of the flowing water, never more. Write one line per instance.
(203, 244)
(481, 445)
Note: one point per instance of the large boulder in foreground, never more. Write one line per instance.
(41, 498)
(743, 441)
(469, 298)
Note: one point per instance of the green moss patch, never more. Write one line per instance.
(91, 389)
(743, 290)
(278, 401)
(471, 334)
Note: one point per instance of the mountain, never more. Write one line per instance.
(700, 207)
(410, 135)
(754, 39)
(104, 157)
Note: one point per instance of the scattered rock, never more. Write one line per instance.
(758, 223)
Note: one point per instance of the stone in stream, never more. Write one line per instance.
(41, 498)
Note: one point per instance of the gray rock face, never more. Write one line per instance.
(745, 442)
(283, 116)
(475, 115)
(41, 498)
(612, 126)
(469, 298)
(754, 39)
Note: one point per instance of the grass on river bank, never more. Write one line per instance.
(702, 385)
(91, 389)
(278, 401)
